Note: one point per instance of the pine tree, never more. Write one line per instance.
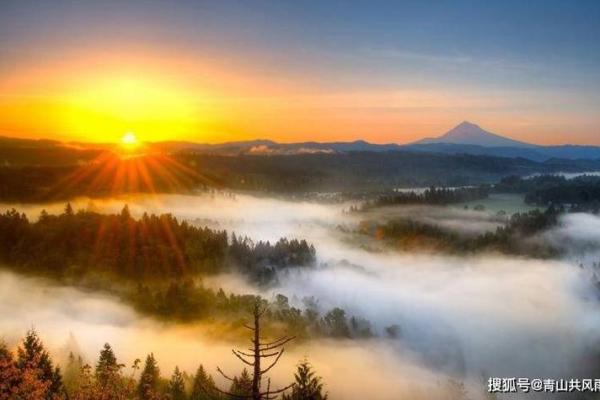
(69, 209)
(109, 380)
(35, 364)
(9, 374)
(149, 380)
(336, 323)
(177, 386)
(203, 387)
(125, 214)
(107, 367)
(241, 386)
(308, 386)
(43, 216)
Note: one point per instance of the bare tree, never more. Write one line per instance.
(271, 352)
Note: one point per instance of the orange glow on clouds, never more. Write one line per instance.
(112, 105)
(98, 97)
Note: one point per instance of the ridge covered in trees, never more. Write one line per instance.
(580, 194)
(159, 263)
(33, 174)
(431, 196)
(153, 247)
(511, 238)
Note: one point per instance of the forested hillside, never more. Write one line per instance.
(153, 247)
(32, 175)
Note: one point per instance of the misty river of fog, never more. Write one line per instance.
(464, 318)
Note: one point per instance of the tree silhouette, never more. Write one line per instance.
(241, 386)
(203, 387)
(260, 350)
(9, 374)
(177, 386)
(149, 379)
(37, 369)
(107, 366)
(308, 385)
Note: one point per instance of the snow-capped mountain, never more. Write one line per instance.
(467, 133)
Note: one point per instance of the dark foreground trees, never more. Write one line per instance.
(308, 386)
(261, 353)
(30, 374)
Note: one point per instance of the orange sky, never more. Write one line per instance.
(91, 97)
(228, 71)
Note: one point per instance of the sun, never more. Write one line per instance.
(129, 140)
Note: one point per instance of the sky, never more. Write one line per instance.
(382, 71)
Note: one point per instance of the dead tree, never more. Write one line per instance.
(271, 351)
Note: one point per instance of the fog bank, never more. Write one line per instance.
(459, 317)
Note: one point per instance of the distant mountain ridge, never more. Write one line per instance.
(465, 138)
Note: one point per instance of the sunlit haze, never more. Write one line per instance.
(299, 71)
(129, 139)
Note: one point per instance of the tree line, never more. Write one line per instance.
(153, 247)
(186, 302)
(156, 263)
(31, 374)
(30, 174)
(579, 194)
(431, 196)
(510, 238)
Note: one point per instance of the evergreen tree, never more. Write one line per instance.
(308, 385)
(336, 323)
(34, 362)
(177, 386)
(43, 216)
(241, 385)
(69, 209)
(203, 387)
(9, 374)
(149, 380)
(107, 367)
(125, 214)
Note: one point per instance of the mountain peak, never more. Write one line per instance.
(467, 124)
(468, 133)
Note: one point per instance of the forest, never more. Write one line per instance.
(159, 263)
(33, 375)
(151, 248)
(431, 196)
(38, 171)
(579, 194)
(510, 239)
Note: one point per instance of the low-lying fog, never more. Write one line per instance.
(460, 318)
